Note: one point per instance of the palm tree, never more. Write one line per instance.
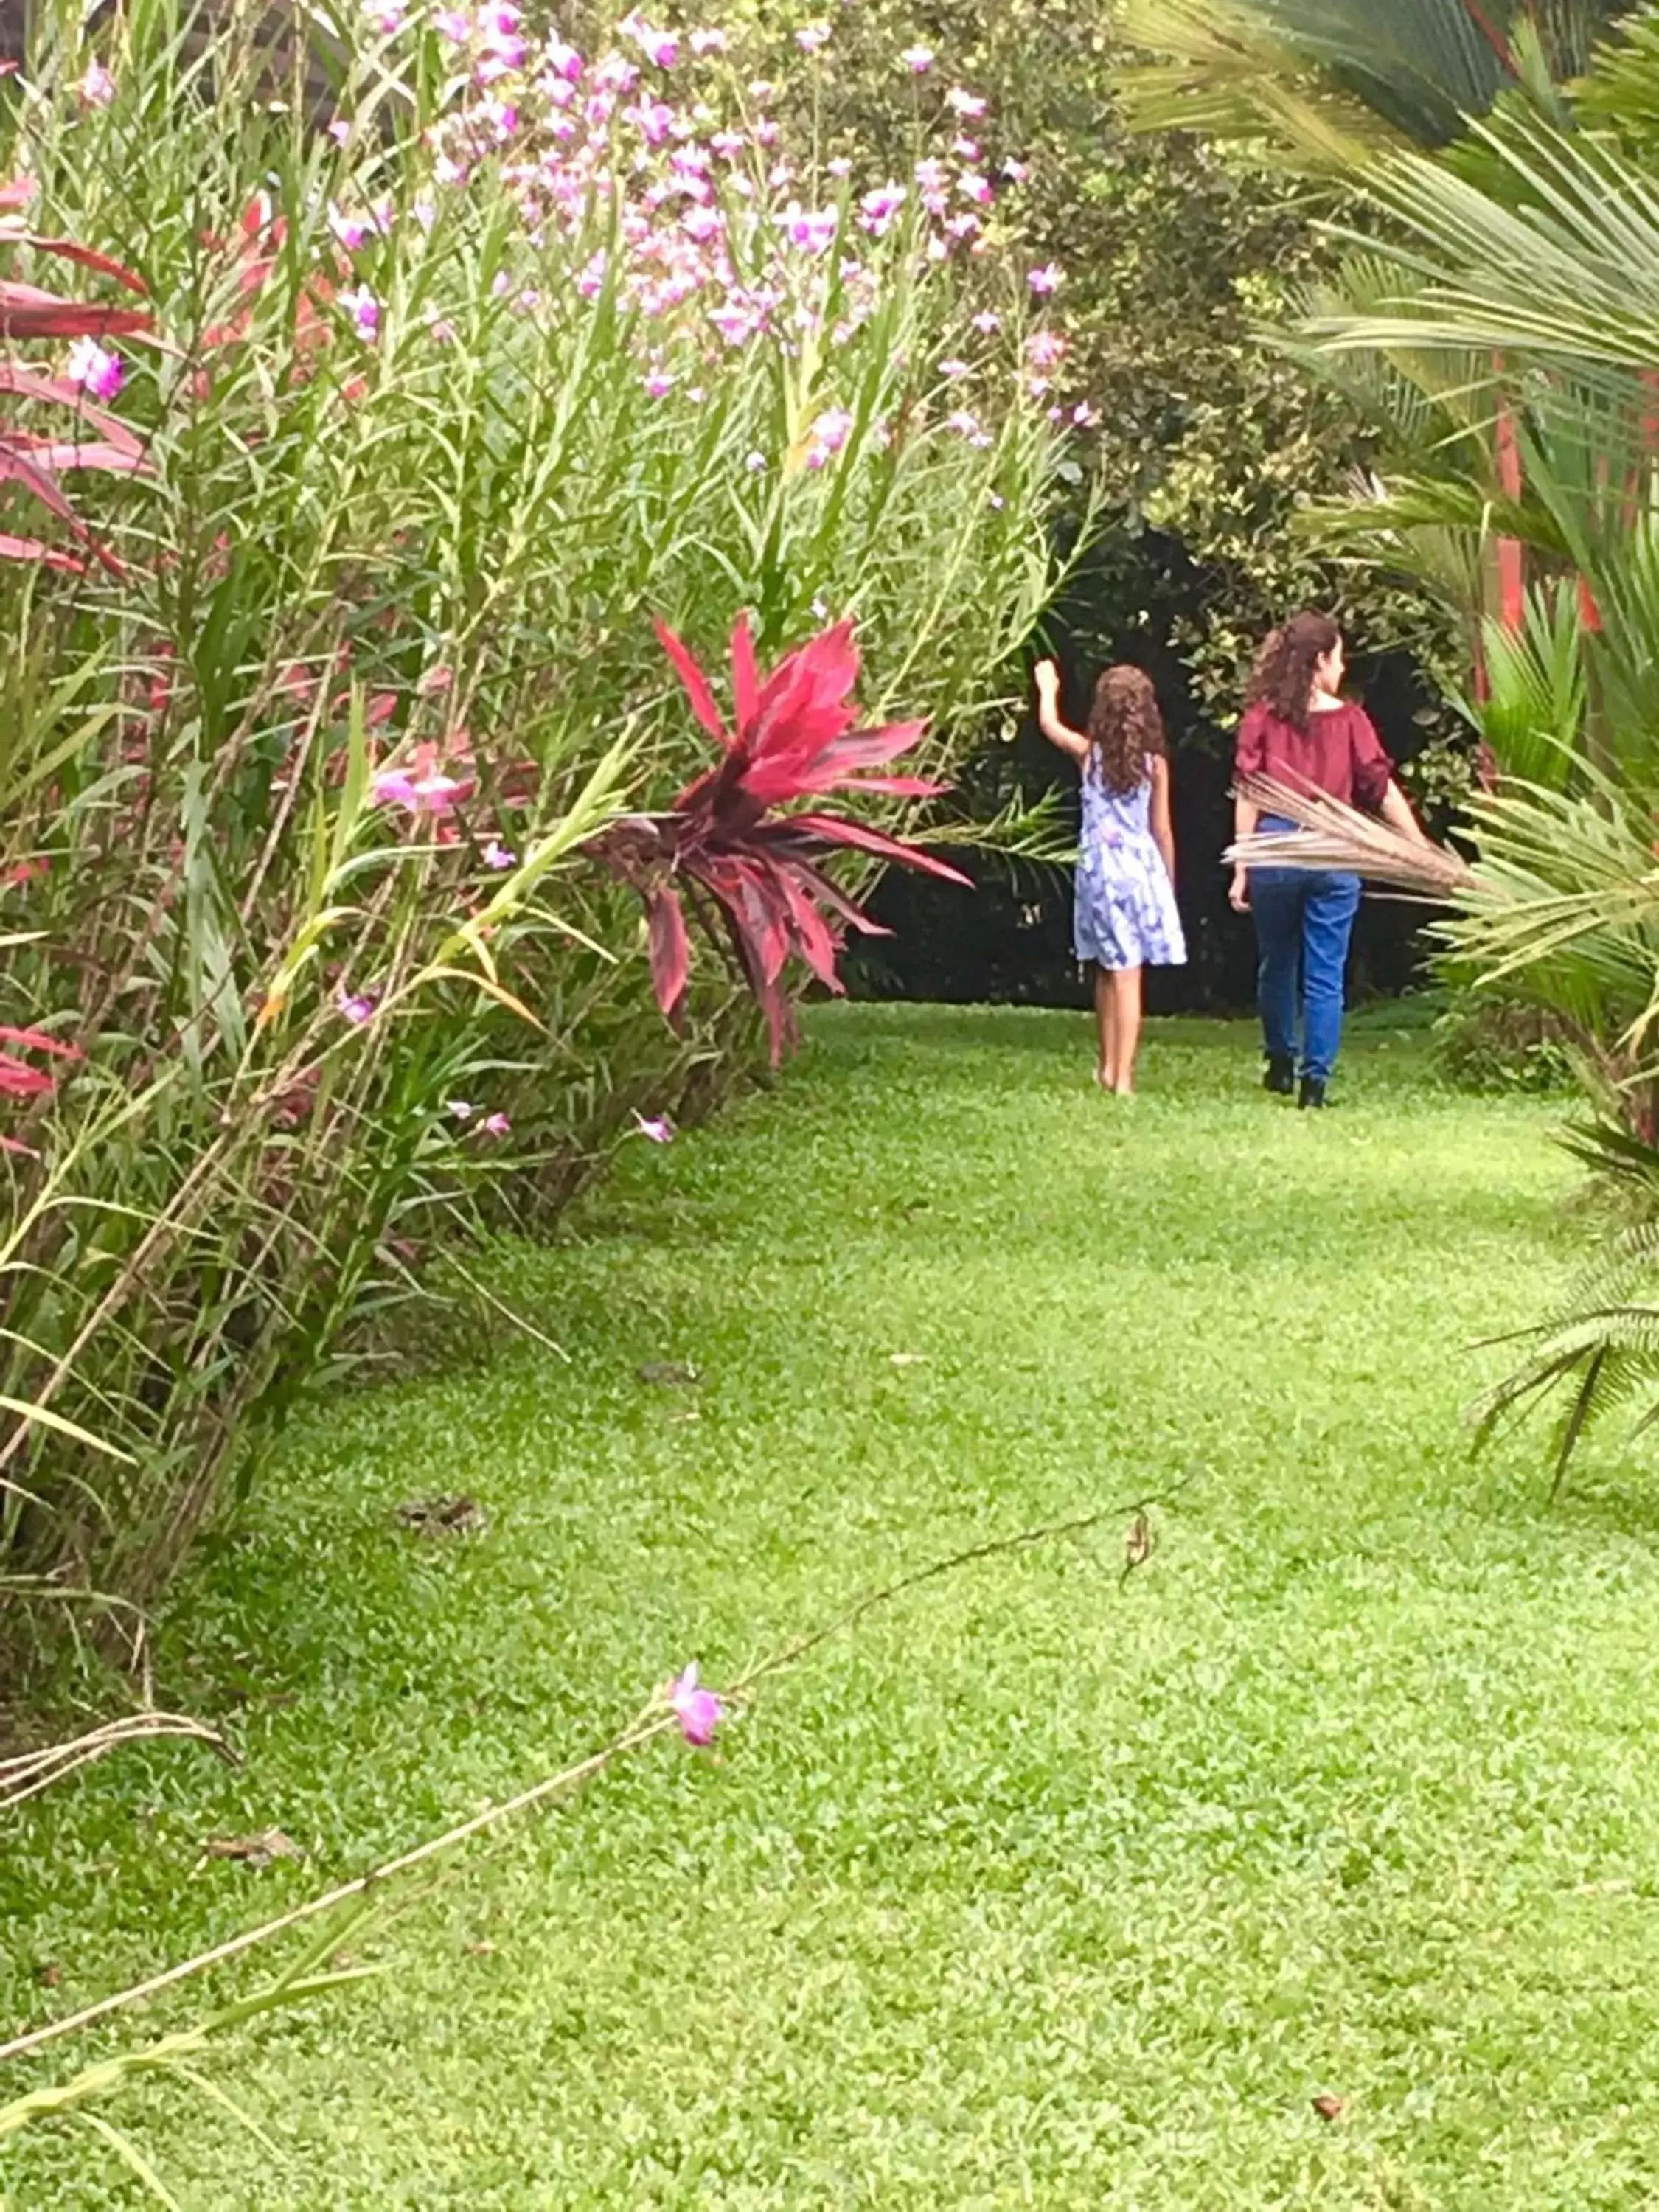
(1337, 79)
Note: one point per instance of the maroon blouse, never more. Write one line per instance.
(1339, 752)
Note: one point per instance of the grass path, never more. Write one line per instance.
(1039, 1891)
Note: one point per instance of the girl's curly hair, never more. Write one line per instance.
(1283, 680)
(1124, 727)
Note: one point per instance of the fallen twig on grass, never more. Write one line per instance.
(655, 1719)
(31, 1771)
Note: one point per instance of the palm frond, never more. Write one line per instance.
(1603, 1339)
(1533, 715)
(1331, 835)
(1333, 81)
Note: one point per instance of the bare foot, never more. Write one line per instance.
(1102, 1078)
(1123, 1091)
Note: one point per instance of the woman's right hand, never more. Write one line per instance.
(1048, 680)
(1238, 896)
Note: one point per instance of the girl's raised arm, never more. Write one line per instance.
(1057, 732)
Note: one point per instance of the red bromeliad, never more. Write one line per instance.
(723, 845)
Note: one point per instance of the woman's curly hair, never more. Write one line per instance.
(1283, 680)
(1124, 728)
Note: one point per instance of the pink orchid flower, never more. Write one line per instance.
(1046, 280)
(496, 1125)
(968, 426)
(94, 370)
(918, 59)
(878, 209)
(657, 1128)
(357, 1007)
(968, 105)
(393, 788)
(811, 229)
(463, 1109)
(661, 48)
(97, 87)
(421, 794)
(497, 855)
(698, 1710)
(364, 310)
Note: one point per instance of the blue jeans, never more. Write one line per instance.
(1304, 921)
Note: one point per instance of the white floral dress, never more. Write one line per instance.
(1127, 915)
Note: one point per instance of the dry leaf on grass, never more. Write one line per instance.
(259, 1851)
(443, 1516)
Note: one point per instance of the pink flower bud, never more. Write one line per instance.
(698, 1710)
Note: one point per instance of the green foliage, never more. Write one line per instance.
(1036, 1841)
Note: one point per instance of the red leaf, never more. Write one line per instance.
(894, 787)
(832, 896)
(26, 312)
(670, 953)
(696, 683)
(69, 249)
(746, 683)
(23, 379)
(21, 467)
(19, 1080)
(70, 454)
(11, 1145)
(31, 549)
(834, 830)
(39, 1041)
(817, 944)
(759, 915)
(871, 748)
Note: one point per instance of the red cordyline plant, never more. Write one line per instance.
(37, 462)
(746, 867)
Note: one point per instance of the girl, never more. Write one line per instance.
(1298, 730)
(1127, 914)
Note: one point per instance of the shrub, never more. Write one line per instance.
(448, 391)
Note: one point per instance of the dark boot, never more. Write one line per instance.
(1313, 1091)
(1280, 1078)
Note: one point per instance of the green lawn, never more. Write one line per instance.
(1041, 1890)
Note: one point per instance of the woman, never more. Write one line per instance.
(1127, 915)
(1298, 730)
